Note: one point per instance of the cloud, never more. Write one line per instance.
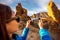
(36, 10)
(6, 1)
(41, 3)
(9, 1)
(58, 7)
(30, 13)
(14, 10)
(42, 7)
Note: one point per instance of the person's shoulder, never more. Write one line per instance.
(43, 31)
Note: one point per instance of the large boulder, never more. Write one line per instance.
(54, 17)
(22, 12)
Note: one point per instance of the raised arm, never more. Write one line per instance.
(26, 30)
(44, 34)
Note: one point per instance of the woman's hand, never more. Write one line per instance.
(40, 24)
(28, 23)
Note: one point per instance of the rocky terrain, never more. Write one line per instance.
(52, 17)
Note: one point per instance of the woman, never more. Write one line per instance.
(44, 34)
(9, 25)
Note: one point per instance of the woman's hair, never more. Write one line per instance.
(5, 14)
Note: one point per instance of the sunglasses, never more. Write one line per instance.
(15, 18)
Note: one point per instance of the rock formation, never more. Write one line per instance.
(40, 15)
(19, 10)
(54, 18)
(22, 12)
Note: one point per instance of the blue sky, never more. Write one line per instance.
(33, 6)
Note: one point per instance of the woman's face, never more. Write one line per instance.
(13, 25)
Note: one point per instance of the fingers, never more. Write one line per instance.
(40, 24)
(28, 23)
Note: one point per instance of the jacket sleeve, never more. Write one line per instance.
(24, 34)
(44, 34)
